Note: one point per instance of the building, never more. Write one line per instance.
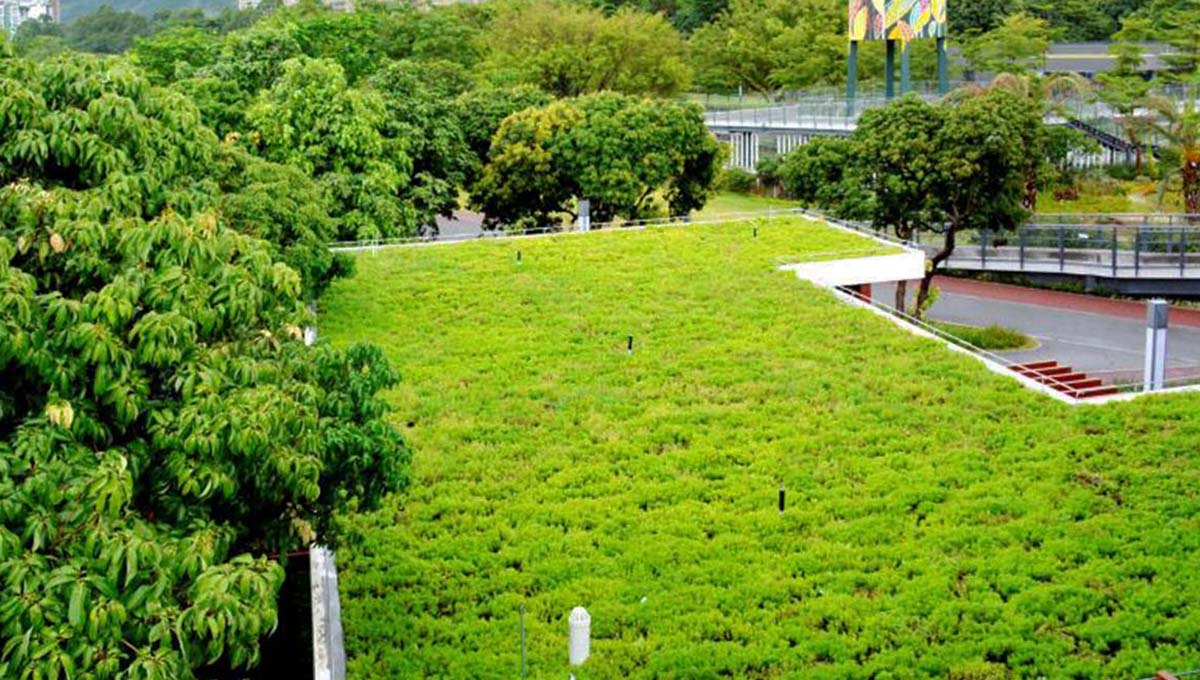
(1090, 58)
(13, 13)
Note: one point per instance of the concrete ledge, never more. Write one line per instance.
(906, 266)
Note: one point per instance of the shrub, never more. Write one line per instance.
(736, 180)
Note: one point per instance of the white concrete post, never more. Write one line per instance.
(584, 221)
(580, 623)
(1157, 313)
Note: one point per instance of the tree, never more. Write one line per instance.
(1073, 20)
(983, 149)
(568, 50)
(480, 112)
(1179, 126)
(524, 184)
(1124, 87)
(824, 173)
(1042, 95)
(106, 31)
(980, 16)
(163, 429)
(1018, 44)
(1177, 22)
(177, 52)
(420, 110)
(313, 120)
(898, 159)
(618, 152)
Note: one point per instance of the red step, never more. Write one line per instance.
(1056, 379)
(1035, 366)
(1065, 379)
(1054, 372)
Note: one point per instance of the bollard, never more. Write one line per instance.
(584, 221)
(580, 623)
(1157, 316)
(781, 499)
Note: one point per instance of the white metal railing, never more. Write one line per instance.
(552, 229)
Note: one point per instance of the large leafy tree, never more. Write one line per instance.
(983, 151)
(312, 119)
(948, 168)
(898, 160)
(163, 429)
(480, 112)
(569, 50)
(419, 100)
(618, 152)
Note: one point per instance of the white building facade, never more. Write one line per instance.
(13, 13)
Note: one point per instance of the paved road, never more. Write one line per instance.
(464, 225)
(1089, 334)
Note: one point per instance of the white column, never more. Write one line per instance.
(1157, 313)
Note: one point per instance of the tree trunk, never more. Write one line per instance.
(1191, 187)
(1031, 194)
(935, 264)
(901, 295)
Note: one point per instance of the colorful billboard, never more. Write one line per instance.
(902, 20)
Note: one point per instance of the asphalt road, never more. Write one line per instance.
(1090, 340)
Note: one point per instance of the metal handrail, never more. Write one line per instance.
(552, 229)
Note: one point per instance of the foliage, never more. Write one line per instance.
(337, 134)
(107, 31)
(914, 166)
(1124, 87)
(171, 54)
(735, 180)
(163, 428)
(1016, 45)
(73, 9)
(420, 110)
(480, 111)
(569, 50)
(992, 338)
(618, 152)
(944, 525)
(1178, 23)
(898, 159)
(1061, 145)
(822, 173)
(1179, 127)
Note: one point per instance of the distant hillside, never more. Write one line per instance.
(73, 9)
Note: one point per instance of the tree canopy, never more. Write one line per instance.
(164, 430)
(618, 152)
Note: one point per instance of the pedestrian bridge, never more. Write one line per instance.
(754, 132)
(1151, 254)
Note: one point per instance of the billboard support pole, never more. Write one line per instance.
(851, 78)
(905, 81)
(943, 67)
(889, 70)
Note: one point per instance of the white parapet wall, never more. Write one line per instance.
(906, 266)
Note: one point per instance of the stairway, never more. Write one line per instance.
(1062, 378)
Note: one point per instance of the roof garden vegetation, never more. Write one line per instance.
(940, 522)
